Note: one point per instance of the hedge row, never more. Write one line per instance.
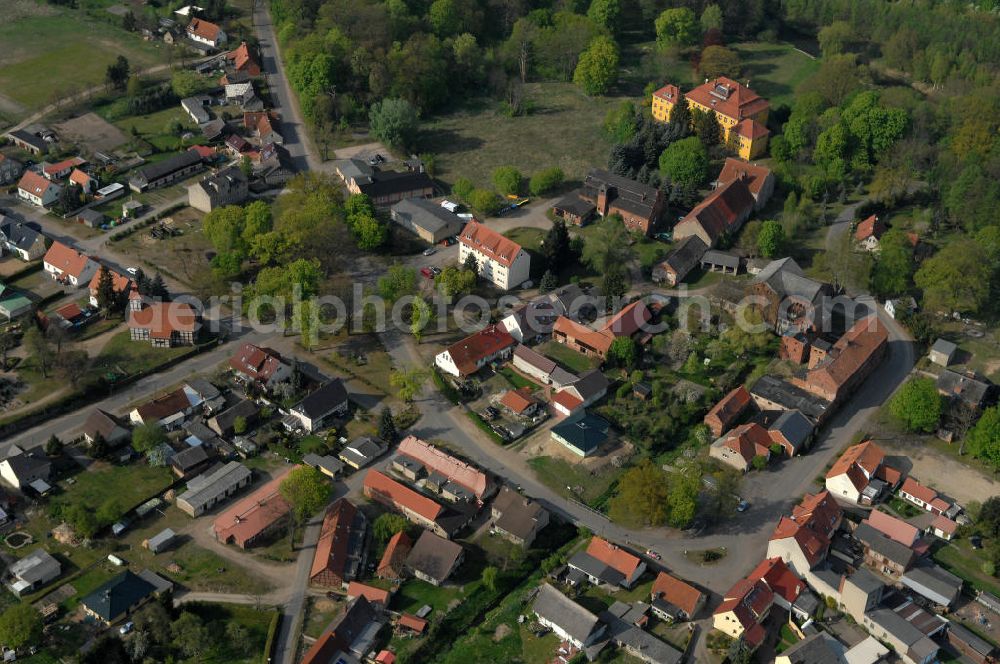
(272, 635)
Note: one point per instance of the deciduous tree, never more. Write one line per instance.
(394, 121)
(685, 162)
(917, 405)
(597, 69)
(676, 27)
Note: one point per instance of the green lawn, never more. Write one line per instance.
(123, 354)
(47, 57)
(319, 614)
(775, 71)
(132, 485)
(516, 380)
(157, 128)
(566, 356)
(564, 129)
(416, 593)
(965, 562)
(529, 238)
(558, 474)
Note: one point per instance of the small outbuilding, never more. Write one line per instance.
(943, 352)
(161, 541)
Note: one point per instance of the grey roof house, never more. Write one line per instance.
(321, 406)
(566, 618)
(118, 597)
(362, 451)
(21, 239)
(32, 572)
(429, 221)
(209, 489)
(105, 424)
(433, 558)
(934, 583)
(21, 468)
(225, 422)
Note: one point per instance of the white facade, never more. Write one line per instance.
(790, 553)
(48, 196)
(497, 273)
(869, 244)
(842, 487)
(76, 280)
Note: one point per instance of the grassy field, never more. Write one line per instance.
(558, 474)
(43, 57)
(963, 561)
(564, 129)
(774, 70)
(158, 127)
(569, 358)
(133, 484)
(134, 356)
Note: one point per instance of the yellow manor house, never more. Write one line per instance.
(738, 108)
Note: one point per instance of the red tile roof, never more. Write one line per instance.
(255, 362)
(748, 600)
(613, 556)
(940, 504)
(377, 483)
(467, 353)
(370, 593)
(395, 552)
(679, 593)
(889, 475)
(331, 548)
(859, 463)
(870, 227)
(67, 260)
(749, 440)
(204, 29)
(204, 151)
(725, 413)
(80, 178)
(243, 60)
(729, 98)
(69, 311)
(812, 524)
(162, 319)
(437, 460)
(893, 528)
(59, 166)
(165, 406)
(34, 183)
(482, 239)
(669, 93)
(567, 400)
(752, 130)
(414, 623)
(385, 657)
(120, 282)
(779, 578)
(625, 323)
(518, 400)
(944, 524)
(754, 175)
(254, 514)
(853, 352)
(918, 490)
(720, 211)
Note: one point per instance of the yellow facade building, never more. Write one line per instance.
(742, 113)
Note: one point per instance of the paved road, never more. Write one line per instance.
(293, 129)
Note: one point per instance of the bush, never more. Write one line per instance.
(507, 180)
(484, 201)
(463, 188)
(545, 181)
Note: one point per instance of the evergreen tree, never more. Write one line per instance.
(549, 282)
(141, 281)
(706, 126)
(680, 116)
(158, 288)
(99, 448)
(471, 264)
(556, 247)
(387, 426)
(107, 298)
(53, 446)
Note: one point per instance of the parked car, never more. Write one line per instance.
(426, 271)
(653, 554)
(429, 251)
(126, 628)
